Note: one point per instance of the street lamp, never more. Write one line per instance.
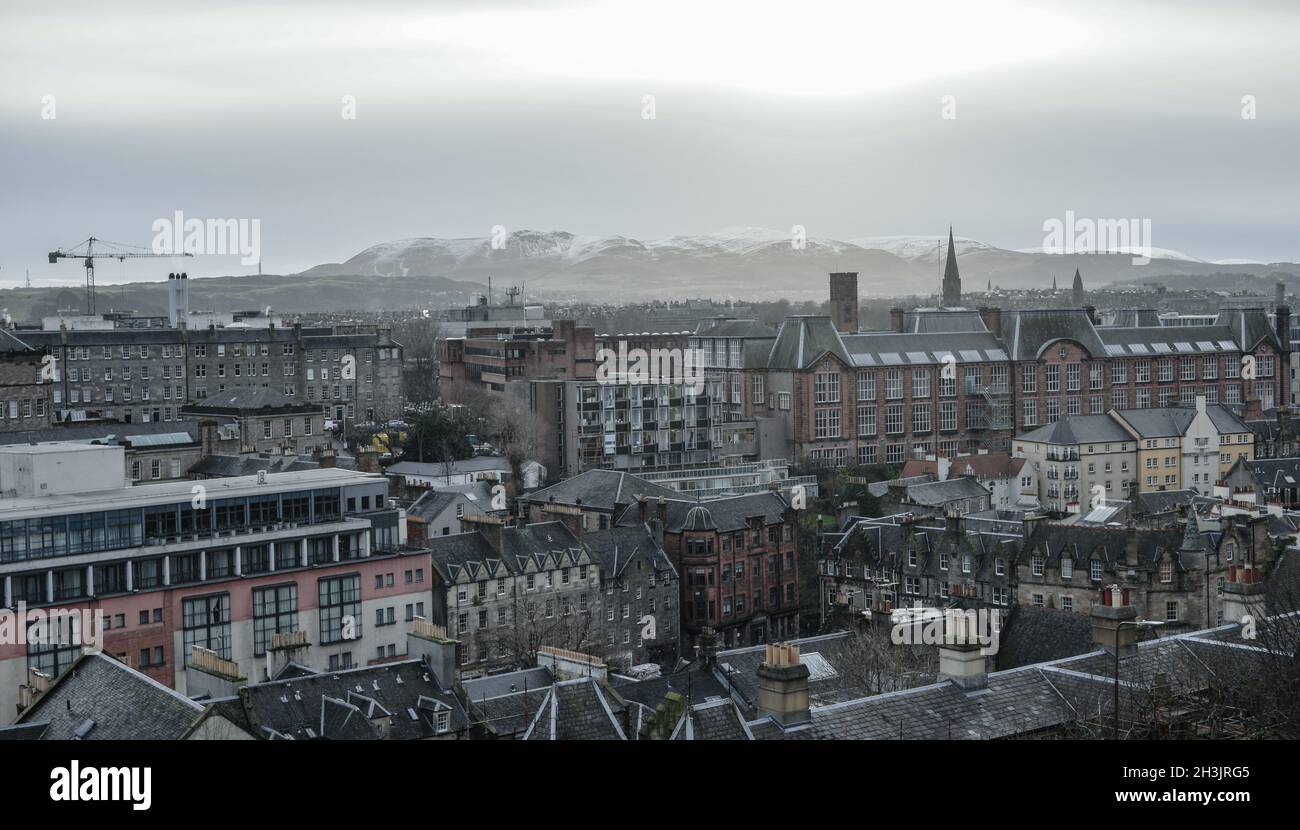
(1120, 625)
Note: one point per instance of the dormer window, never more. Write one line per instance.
(1166, 571)
(1037, 564)
(1067, 568)
(1094, 570)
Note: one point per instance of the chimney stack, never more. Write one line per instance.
(1283, 322)
(783, 686)
(844, 301)
(992, 318)
(1107, 617)
(896, 319)
(491, 528)
(431, 644)
(961, 657)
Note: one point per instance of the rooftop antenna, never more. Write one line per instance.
(29, 278)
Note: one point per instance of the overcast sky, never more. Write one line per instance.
(530, 115)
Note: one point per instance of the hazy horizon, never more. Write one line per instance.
(829, 116)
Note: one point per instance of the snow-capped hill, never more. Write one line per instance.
(922, 248)
(1153, 253)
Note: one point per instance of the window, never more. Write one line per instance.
(275, 611)
(207, 624)
(1166, 571)
(866, 420)
(1067, 568)
(1171, 611)
(866, 385)
(1094, 570)
(1037, 564)
(340, 608)
(827, 387)
(827, 423)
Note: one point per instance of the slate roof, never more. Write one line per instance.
(245, 465)
(987, 465)
(1248, 326)
(734, 328)
(437, 499)
(244, 398)
(937, 493)
(942, 320)
(1082, 542)
(1079, 429)
(1132, 317)
(117, 702)
(578, 710)
(114, 431)
(693, 682)
(469, 554)
(1267, 471)
(1157, 502)
(616, 547)
(505, 704)
(888, 349)
(729, 513)
(1031, 698)
(714, 720)
(1034, 634)
(834, 655)
(478, 464)
(801, 341)
(1027, 333)
(884, 542)
(599, 490)
(341, 705)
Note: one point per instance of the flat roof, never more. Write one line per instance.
(51, 447)
(143, 495)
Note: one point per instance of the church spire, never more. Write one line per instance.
(1078, 289)
(951, 279)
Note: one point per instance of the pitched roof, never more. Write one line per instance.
(1035, 697)
(599, 490)
(342, 705)
(935, 493)
(578, 710)
(1079, 429)
(616, 546)
(728, 513)
(101, 699)
(437, 499)
(1028, 332)
(801, 341)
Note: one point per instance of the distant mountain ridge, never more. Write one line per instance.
(757, 263)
